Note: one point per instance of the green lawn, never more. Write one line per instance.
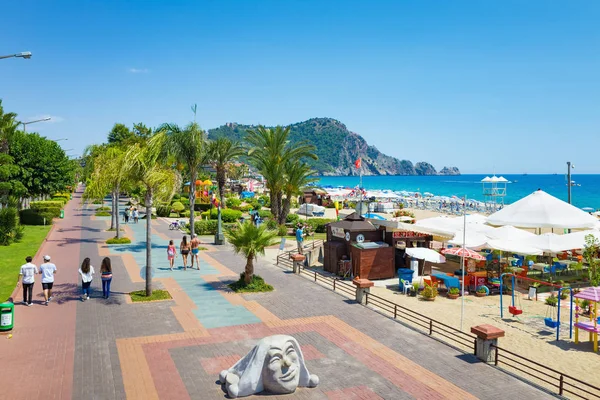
(157, 294)
(316, 236)
(13, 257)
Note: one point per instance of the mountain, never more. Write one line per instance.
(337, 149)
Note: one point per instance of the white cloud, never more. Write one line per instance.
(138, 70)
(53, 118)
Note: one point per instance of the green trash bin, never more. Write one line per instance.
(62, 213)
(7, 316)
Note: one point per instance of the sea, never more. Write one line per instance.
(585, 191)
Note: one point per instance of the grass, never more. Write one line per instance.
(121, 240)
(316, 236)
(255, 286)
(157, 295)
(102, 214)
(114, 230)
(13, 257)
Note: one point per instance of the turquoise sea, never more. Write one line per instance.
(586, 195)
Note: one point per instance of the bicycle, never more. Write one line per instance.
(177, 225)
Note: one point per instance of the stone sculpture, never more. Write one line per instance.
(274, 365)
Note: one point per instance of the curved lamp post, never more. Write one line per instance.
(33, 122)
(23, 54)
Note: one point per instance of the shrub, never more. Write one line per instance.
(227, 215)
(233, 202)
(163, 210)
(177, 196)
(174, 215)
(245, 208)
(429, 292)
(102, 214)
(202, 206)
(177, 207)
(186, 214)
(157, 294)
(97, 202)
(264, 214)
(552, 301)
(33, 217)
(185, 201)
(292, 218)
(209, 227)
(9, 224)
(281, 230)
(103, 209)
(257, 284)
(45, 204)
(121, 240)
(272, 224)
(318, 224)
(265, 200)
(60, 199)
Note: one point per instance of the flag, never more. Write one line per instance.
(357, 163)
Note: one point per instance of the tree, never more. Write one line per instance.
(590, 253)
(8, 168)
(120, 134)
(297, 175)
(237, 171)
(188, 146)
(250, 241)
(110, 175)
(270, 152)
(146, 165)
(221, 153)
(141, 131)
(8, 128)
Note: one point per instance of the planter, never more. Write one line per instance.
(453, 296)
(412, 293)
(429, 298)
(480, 294)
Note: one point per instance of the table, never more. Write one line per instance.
(449, 281)
(540, 266)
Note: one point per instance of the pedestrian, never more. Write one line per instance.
(195, 250)
(184, 249)
(300, 238)
(106, 276)
(126, 215)
(129, 213)
(27, 275)
(136, 215)
(47, 269)
(87, 274)
(171, 254)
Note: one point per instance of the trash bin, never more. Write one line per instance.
(404, 274)
(7, 316)
(62, 213)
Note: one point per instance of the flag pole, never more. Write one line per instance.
(462, 263)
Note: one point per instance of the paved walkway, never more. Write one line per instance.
(113, 349)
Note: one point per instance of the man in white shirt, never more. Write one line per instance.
(47, 269)
(27, 275)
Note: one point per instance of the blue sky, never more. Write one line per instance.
(488, 86)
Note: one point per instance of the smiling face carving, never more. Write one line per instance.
(282, 370)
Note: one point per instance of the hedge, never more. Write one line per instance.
(163, 211)
(227, 215)
(174, 215)
(318, 224)
(45, 204)
(54, 212)
(177, 207)
(33, 217)
(185, 201)
(233, 202)
(264, 214)
(61, 199)
(209, 227)
(186, 214)
(292, 218)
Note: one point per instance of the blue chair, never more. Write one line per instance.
(558, 267)
(530, 263)
(520, 262)
(489, 257)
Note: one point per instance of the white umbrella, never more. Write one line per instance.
(509, 232)
(423, 253)
(472, 240)
(513, 246)
(552, 243)
(541, 210)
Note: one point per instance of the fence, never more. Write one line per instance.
(532, 371)
(560, 383)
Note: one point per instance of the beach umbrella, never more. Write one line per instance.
(588, 209)
(541, 210)
(513, 246)
(425, 254)
(509, 232)
(469, 239)
(463, 252)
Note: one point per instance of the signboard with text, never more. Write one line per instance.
(407, 234)
(338, 232)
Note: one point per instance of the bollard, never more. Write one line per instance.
(487, 335)
(298, 260)
(362, 287)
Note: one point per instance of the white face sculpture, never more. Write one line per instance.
(281, 372)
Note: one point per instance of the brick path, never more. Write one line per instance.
(112, 349)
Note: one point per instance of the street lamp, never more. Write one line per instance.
(23, 54)
(33, 122)
(58, 140)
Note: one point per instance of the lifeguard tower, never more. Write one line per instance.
(494, 191)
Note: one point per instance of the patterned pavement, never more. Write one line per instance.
(175, 349)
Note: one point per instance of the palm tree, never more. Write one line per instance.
(8, 128)
(297, 175)
(146, 165)
(221, 153)
(110, 175)
(250, 241)
(188, 146)
(270, 152)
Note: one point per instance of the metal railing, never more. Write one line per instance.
(285, 257)
(560, 383)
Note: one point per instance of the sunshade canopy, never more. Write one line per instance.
(423, 253)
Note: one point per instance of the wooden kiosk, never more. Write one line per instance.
(358, 241)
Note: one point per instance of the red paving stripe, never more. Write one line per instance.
(43, 342)
(353, 393)
(310, 352)
(214, 365)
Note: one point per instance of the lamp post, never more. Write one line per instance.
(33, 122)
(569, 183)
(58, 140)
(23, 54)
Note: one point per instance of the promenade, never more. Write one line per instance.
(174, 349)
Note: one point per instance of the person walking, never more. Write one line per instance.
(48, 270)
(27, 275)
(300, 238)
(87, 274)
(184, 249)
(136, 215)
(126, 215)
(195, 243)
(171, 254)
(106, 276)
(129, 211)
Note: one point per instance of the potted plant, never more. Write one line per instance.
(453, 293)
(429, 293)
(481, 291)
(552, 300)
(415, 289)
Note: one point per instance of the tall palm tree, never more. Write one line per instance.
(187, 146)
(8, 127)
(270, 152)
(221, 153)
(148, 167)
(297, 175)
(250, 241)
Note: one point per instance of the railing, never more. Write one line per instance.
(560, 383)
(430, 326)
(285, 257)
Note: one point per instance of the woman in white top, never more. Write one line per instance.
(87, 274)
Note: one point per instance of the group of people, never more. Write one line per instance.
(48, 271)
(131, 213)
(185, 247)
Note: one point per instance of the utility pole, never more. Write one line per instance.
(569, 183)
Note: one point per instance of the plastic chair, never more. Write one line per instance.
(558, 267)
(520, 263)
(406, 285)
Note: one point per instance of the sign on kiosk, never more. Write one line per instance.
(338, 232)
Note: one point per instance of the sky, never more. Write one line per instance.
(500, 86)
